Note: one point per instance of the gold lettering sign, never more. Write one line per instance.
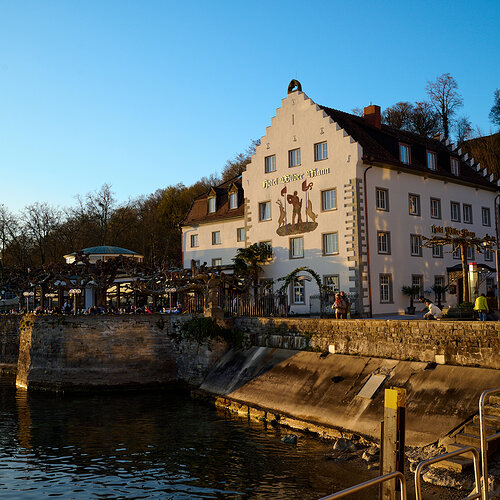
(452, 231)
(285, 179)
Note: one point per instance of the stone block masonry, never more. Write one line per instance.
(463, 343)
(9, 342)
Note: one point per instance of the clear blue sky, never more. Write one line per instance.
(143, 94)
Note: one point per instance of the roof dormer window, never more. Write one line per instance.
(404, 153)
(211, 204)
(455, 167)
(431, 160)
(233, 200)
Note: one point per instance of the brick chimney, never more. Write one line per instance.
(372, 115)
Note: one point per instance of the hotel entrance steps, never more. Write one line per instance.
(469, 434)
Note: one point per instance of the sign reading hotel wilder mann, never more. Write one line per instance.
(285, 179)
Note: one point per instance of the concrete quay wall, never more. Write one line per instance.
(62, 352)
(463, 343)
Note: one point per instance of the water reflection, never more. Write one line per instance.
(158, 444)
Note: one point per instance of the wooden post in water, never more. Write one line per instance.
(393, 438)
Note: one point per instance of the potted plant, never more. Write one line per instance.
(411, 291)
(439, 292)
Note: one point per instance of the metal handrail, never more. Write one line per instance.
(371, 482)
(484, 440)
(461, 451)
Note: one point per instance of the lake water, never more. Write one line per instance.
(153, 444)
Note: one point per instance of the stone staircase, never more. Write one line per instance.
(469, 434)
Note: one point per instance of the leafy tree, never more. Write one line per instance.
(238, 164)
(445, 98)
(494, 115)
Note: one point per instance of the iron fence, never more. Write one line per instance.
(329, 299)
(247, 305)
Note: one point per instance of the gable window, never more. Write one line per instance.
(216, 238)
(265, 211)
(216, 262)
(455, 211)
(435, 208)
(437, 251)
(233, 200)
(211, 204)
(194, 240)
(332, 282)
(431, 160)
(414, 204)
(416, 245)
(467, 214)
(329, 199)
(240, 234)
(382, 199)
(294, 158)
(298, 289)
(404, 153)
(270, 164)
(330, 243)
(385, 288)
(455, 167)
(485, 216)
(320, 151)
(297, 248)
(383, 242)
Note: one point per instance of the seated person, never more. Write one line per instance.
(433, 311)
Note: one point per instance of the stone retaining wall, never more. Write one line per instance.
(465, 343)
(9, 339)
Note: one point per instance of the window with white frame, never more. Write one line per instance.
(467, 213)
(233, 200)
(431, 160)
(456, 251)
(332, 282)
(211, 204)
(488, 255)
(385, 288)
(270, 164)
(414, 204)
(437, 251)
(216, 262)
(470, 253)
(485, 216)
(383, 242)
(329, 199)
(240, 234)
(298, 292)
(216, 238)
(194, 240)
(416, 245)
(435, 208)
(297, 247)
(455, 211)
(404, 153)
(330, 243)
(418, 281)
(439, 282)
(320, 151)
(455, 167)
(382, 199)
(294, 157)
(265, 211)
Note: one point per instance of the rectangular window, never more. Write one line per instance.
(329, 199)
(456, 251)
(439, 282)
(294, 158)
(414, 204)
(270, 164)
(416, 245)
(488, 255)
(330, 244)
(418, 280)
(194, 240)
(211, 205)
(435, 208)
(385, 287)
(467, 214)
(320, 151)
(455, 211)
(233, 201)
(490, 283)
(404, 153)
(485, 216)
(298, 289)
(470, 253)
(437, 251)
(265, 211)
(240, 234)
(297, 248)
(383, 242)
(269, 245)
(216, 238)
(431, 160)
(455, 167)
(382, 199)
(332, 282)
(216, 262)
(196, 263)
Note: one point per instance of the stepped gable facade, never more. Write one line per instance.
(350, 198)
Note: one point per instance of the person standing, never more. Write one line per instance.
(481, 306)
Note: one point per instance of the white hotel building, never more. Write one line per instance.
(350, 198)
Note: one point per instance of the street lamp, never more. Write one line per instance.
(75, 292)
(51, 296)
(28, 295)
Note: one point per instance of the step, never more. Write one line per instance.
(457, 464)
(465, 439)
(475, 429)
(492, 421)
(492, 409)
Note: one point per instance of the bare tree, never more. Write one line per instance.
(444, 97)
(399, 115)
(494, 115)
(463, 129)
(424, 120)
(238, 164)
